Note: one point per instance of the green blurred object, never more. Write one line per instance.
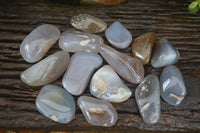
(197, 1)
(193, 7)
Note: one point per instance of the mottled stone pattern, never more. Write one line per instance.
(173, 89)
(56, 104)
(38, 42)
(97, 112)
(47, 70)
(142, 47)
(102, 2)
(107, 85)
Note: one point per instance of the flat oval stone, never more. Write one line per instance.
(56, 104)
(173, 89)
(107, 85)
(88, 23)
(47, 70)
(142, 47)
(126, 66)
(79, 71)
(97, 112)
(38, 42)
(164, 54)
(76, 41)
(147, 96)
(118, 35)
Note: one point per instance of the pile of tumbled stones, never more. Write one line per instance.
(106, 85)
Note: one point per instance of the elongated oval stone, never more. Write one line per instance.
(107, 85)
(142, 47)
(164, 54)
(76, 41)
(88, 23)
(38, 42)
(173, 89)
(118, 35)
(79, 71)
(147, 96)
(126, 66)
(56, 104)
(97, 112)
(47, 70)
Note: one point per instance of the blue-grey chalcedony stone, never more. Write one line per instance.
(118, 35)
(47, 70)
(173, 89)
(126, 66)
(79, 71)
(147, 96)
(56, 104)
(164, 54)
(76, 41)
(107, 85)
(97, 112)
(38, 42)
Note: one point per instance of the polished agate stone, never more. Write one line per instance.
(147, 96)
(173, 89)
(79, 71)
(102, 2)
(76, 41)
(38, 42)
(164, 54)
(47, 70)
(142, 47)
(97, 112)
(126, 66)
(107, 85)
(88, 23)
(56, 104)
(118, 35)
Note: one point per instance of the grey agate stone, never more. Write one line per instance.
(56, 104)
(38, 42)
(173, 89)
(107, 85)
(147, 96)
(76, 41)
(97, 112)
(118, 35)
(79, 71)
(164, 54)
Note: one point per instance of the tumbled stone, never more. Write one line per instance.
(102, 2)
(56, 104)
(118, 35)
(97, 112)
(107, 85)
(173, 89)
(38, 42)
(142, 47)
(88, 23)
(47, 70)
(164, 54)
(147, 96)
(79, 71)
(76, 41)
(126, 66)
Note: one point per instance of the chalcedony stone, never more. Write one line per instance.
(107, 85)
(147, 96)
(79, 71)
(173, 89)
(76, 41)
(88, 23)
(164, 54)
(47, 70)
(56, 104)
(126, 66)
(97, 112)
(38, 42)
(118, 35)
(142, 47)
